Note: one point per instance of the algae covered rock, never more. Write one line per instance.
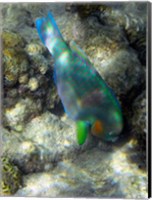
(11, 177)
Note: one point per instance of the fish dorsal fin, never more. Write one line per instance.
(82, 131)
(80, 53)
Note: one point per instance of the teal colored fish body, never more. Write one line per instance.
(86, 97)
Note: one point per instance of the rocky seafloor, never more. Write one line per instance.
(40, 154)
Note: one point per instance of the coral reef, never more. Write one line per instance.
(26, 80)
(39, 141)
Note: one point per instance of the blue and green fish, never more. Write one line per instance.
(86, 98)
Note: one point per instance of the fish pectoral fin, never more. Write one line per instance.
(80, 53)
(82, 131)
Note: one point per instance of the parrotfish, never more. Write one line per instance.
(85, 96)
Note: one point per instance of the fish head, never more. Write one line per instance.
(108, 128)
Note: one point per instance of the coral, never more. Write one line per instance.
(12, 40)
(11, 177)
(33, 84)
(15, 60)
(39, 63)
(23, 79)
(34, 49)
(15, 63)
(52, 98)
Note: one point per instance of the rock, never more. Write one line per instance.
(23, 153)
(27, 158)
(53, 137)
(53, 101)
(125, 66)
(17, 14)
(134, 28)
(94, 173)
(111, 55)
(139, 118)
(57, 185)
(18, 116)
(43, 142)
(140, 131)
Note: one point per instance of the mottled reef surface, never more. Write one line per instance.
(40, 154)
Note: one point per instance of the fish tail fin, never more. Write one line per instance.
(49, 33)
